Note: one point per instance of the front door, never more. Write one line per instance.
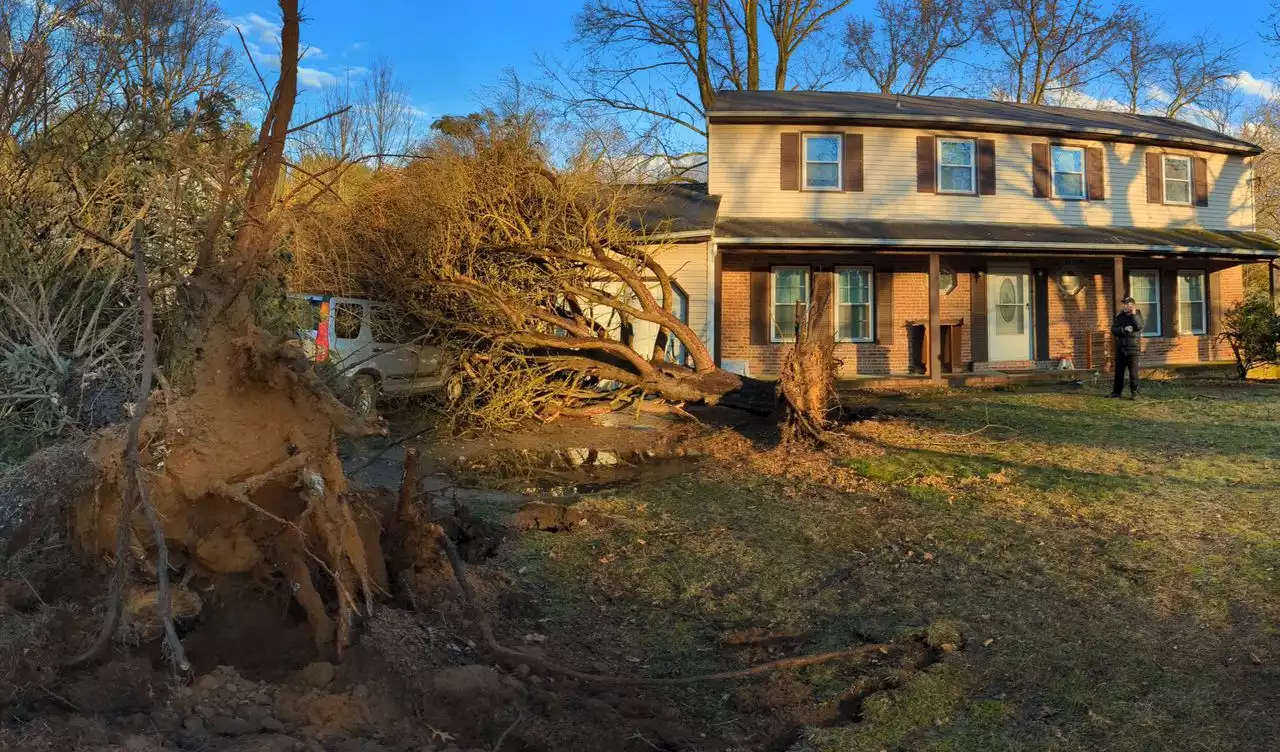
(1008, 314)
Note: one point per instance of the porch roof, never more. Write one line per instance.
(863, 233)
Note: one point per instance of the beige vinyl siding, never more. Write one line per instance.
(687, 265)
(744, 169)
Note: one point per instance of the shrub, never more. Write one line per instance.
(1252, 329)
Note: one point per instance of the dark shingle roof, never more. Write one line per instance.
(676, 208)
(857, 108)
(973, 236)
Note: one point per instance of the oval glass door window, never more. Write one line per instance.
(1010, 319)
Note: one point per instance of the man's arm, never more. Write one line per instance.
(1137, 316)
(1116, 327)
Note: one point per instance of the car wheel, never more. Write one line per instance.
(364, 395)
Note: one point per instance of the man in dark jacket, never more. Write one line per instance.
(1126, 330)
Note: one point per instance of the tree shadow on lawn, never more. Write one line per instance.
(1100, 638)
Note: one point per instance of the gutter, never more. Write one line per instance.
(680, 235)
(1017, 126)
(1089, 248)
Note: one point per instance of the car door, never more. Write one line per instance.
(350, 336)
(397, 360)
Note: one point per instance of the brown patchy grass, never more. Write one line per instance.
(1112, 566)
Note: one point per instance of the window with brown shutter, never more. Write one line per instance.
(789, 162)
(1155, 178)
(1200, 181)
(986, 167)
(1040, 176)
(926, 165)
(852, 161)
(1093, 168)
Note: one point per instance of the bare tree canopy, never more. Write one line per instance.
(655, 65)
(1169, 76)
(1045, 47)
(1193, 70)
(906, 41)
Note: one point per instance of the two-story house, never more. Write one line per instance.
(942, 234)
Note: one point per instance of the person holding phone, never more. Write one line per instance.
(1126, 330)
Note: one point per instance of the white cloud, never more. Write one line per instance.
(1077, 98)
(262, 38)
(1258, 87)
(314, 78)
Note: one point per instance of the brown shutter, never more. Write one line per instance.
(1040, 293)
(1040, 171)
(978, 316)
(926, 165)
(824, 298)
(1214, 304)
(986, 167)
(853, 161)
(789, 164)
(1200, 181)
(759, 307)
(1155, 178)
(1168, 303)
(884, 306)
(1093, 172)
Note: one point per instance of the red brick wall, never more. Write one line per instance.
(1071, 317)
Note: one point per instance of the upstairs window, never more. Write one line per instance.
(956, 165)
(1144, 286)
(822, 162)
(1191, 303)
(853, 304)
(790, 285)
(1177, 180)
(1068, 172)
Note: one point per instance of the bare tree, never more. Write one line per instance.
(793, 23)
(1192, 70)
(1221, 106)
(1042, 47)
(384, 113)
(1136, 64)
(654, 66)
(907, 40)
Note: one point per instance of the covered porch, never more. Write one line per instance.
(977, 304)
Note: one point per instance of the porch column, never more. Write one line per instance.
(935, 319)
(1117, 284)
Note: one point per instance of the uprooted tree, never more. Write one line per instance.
(533, 271)
(237, 468)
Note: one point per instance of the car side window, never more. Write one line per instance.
(348, 318)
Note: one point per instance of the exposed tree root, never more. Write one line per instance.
(516, 657)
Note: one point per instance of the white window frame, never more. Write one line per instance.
(1159, 314)
(973, 166)
(1184, 327)
(1164, 179)
(1053, 172)
(870, 304)
(839, 163)
(676, 351)
(775, 335)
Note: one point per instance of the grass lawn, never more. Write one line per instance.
(1113, 567)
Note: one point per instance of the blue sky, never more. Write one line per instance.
(447, 52)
